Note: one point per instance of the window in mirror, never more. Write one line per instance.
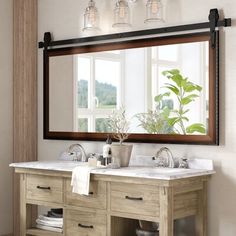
(98, 80)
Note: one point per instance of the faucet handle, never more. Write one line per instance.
(183, 163)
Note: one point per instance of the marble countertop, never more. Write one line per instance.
(134, 171)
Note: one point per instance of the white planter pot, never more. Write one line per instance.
(122, 153)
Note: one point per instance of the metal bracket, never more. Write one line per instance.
(213, 18)
(47, 40)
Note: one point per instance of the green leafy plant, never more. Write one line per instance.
(186, 92)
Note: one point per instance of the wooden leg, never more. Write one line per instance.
(166, 212)
(201, 217)
(23, 211)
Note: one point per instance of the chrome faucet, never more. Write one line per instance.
(73, 148)
(162, 162)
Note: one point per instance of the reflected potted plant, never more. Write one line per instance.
(119, 125)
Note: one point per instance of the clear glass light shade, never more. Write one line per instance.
(91, 17)
(154, 11)
(122, 14)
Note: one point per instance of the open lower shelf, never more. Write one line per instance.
(40, 232)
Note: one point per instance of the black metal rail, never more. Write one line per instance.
(212, 24)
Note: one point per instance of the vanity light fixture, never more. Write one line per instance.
(121, 14)
(91, 17)
(154, 11)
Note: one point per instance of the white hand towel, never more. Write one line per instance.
(81, 179)
(49, 223)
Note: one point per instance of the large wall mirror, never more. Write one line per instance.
(168, 87)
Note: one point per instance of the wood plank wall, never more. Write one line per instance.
(24, 90)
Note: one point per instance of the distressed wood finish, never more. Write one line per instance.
(85, 223)
(96, 198)
(135, 199)
(166, 211)
(25, 91)
(160, 201)
(36, 188)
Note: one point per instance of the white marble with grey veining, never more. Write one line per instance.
(137, 172)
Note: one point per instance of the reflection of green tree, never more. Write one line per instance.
(102, 125)
(83, 94)
(83, 125)
(105, 93)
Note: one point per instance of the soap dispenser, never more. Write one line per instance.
(107, 151)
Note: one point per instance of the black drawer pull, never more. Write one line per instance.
(134, 198)
(90, 193)
(44, 188)
(85, 226)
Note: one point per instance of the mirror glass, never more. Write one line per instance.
(167, 88)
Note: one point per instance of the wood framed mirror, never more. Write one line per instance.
(168, 87)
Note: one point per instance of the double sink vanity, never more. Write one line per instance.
(118, 198)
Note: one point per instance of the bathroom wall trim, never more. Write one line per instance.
(24, 91)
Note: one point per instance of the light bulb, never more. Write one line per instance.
(154, 7)
(91, 17)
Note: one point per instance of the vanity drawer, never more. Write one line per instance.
(44, 188)
(96, 198)
(89, 223)
(135, 198)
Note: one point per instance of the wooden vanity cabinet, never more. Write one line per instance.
(115, 204)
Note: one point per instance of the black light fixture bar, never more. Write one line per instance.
(212, 24)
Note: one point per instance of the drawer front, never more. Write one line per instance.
(44, 188)
(135, 199)
(96, 198)
(85, 223)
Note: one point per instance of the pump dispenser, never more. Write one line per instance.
(107, 150)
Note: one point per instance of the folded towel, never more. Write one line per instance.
(50, 223)
(81, 179)
(50, 219)
(59, 230)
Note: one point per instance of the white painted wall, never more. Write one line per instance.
(6, 116)
(64, 19)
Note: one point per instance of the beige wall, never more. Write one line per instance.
(6, 116)
(64, 19)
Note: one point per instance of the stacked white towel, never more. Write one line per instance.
(50, 223)
(81, 179)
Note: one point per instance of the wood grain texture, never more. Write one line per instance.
(35, 191)
(166, 212)
(135, 199)
(24, 90)
(123, 226)
(39, 232)
(154, 203)
(201, 216)
(96, 199)
(85, 223)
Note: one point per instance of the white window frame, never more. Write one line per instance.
(91, 113)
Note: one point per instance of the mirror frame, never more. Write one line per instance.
(211, 138)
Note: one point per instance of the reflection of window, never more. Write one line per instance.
(163, 58)
(97, 82)
(192, 61)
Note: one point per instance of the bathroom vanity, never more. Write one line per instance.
(118, 198)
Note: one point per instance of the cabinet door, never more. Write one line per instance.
(85, 223)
